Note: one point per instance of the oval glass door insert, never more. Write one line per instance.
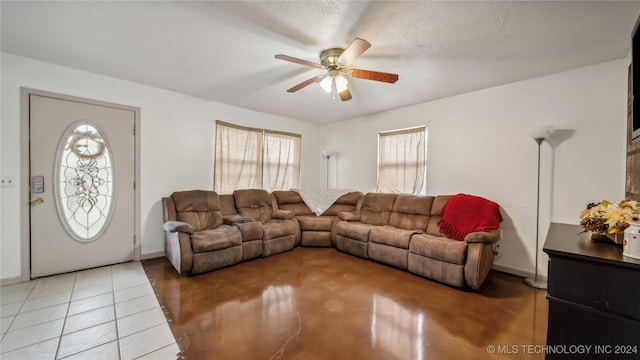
(84, 181)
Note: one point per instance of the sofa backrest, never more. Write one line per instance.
(346, 202)
(436, 210)
(292, 201)
(376, 208)
(411, 212)
(254, 204)
(199, 208)
(227, 204)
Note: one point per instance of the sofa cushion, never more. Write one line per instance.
(278, 245)
(334, 209)
(439, 248)
(292, 201)
(254, 204)
(222, 237)
(315, 223)
(436, 210)
(392, 236)
(316, 238)
(346, 202)
(354, 230)
(250, 230)
(349, 198)
(376, 208)
(411, 212)
(448, 273)
(227, 204)
(212, 260)
(278, 228)
(199, 208)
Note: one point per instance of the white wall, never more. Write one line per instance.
(477, 144)
(177, 133)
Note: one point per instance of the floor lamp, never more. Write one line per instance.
(539, 134)
(327, 155)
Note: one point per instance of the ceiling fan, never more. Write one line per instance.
(336, 61)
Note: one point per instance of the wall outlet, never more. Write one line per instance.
(8, 181)
(496, 251)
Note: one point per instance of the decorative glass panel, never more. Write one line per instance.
(84, 177)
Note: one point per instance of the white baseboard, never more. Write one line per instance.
(518, 272)
(10, 280)
(152, 255)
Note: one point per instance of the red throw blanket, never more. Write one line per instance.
(463, 214)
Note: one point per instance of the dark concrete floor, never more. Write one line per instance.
(318, 303)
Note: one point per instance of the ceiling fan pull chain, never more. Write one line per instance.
(334, 88)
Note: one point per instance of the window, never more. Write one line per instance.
(402, 161)
(85, 181)
(248, 158)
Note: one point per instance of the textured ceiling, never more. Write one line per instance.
(224, 51)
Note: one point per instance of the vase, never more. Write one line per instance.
(631, 244)
(615, 238)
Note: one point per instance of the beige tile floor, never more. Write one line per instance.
(104, 313)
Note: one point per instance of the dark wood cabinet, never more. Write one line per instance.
(594, 298)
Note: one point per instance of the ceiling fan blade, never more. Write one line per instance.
(355, 49)
(373, 75)
(298, 61)
(306, 83)
(345, 95)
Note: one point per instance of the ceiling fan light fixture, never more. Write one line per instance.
(337, 62)
(327, 83)
(341, 83)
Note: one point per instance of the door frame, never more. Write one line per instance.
(25, 213)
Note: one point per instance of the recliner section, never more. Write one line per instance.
(278, 229)
(402, 231)
(197, 240)
(315, 230)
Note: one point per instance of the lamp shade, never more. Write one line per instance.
(540, 132)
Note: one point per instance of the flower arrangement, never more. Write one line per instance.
(608, 217)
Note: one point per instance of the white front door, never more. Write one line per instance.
(82, 174)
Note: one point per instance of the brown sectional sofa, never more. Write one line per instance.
(399, 230)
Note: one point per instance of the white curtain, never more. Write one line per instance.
(281, 161)
(248, 158)
(402, 161)
(238, 158)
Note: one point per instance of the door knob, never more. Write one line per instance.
(37, 201)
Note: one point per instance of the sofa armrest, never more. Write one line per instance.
(234, 219)
(349, 216)
(283, 214)
(483, 237)
(178, 226)
(177, 248)
(478, 264)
